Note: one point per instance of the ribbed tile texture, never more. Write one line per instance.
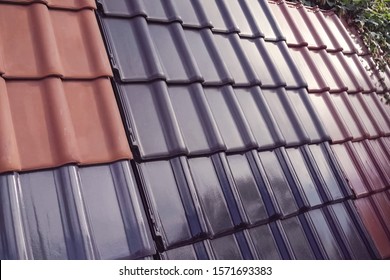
(60, 4)
(57, 105)
(231, 152)
(74, 213)
(346, 93)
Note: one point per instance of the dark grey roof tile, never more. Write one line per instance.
(263, 63)
(192, 13)
(196, 122)
(230, 119)
(148, 111)
(285, 64)
(237, 62)
(265, 243)
(62, 214)
(349, 231)
(249, 190)
(171, 202)
(333, 185)
(287, 118)
(322, 230)
(294, 232)
(220, 18)
(302, 169)
(272, 165)
(174, 53)
(308, 115)
(261, 121)
(265, 21)
(131, 49)
(204, 50)
(306, 64)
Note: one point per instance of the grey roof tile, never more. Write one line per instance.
(285, 64)
(263, 63)
(287, 118)
(267, 24)
(230, 118)
(204, 50)
(220, 18)
(237, 62)
(135, 56)
(259, 117)
(61, 214)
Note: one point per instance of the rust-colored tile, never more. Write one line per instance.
(351, 169)
(40, 43)
(51, 122)
(374, 226)
(382, 202)
(60, 4)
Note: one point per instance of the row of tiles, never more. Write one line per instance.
(74, 213)
(274, 21)
(36, 43)
(58, 4)
(142, 51)
(331, 232)
(194, 119)
(46, 123)
(70, 220)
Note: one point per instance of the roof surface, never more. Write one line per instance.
(256, 128)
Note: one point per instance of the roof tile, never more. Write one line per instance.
(60, 4)
(61, 214)
(374, 226)
(50, 50)
(49, 118)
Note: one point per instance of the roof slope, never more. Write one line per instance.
(48, 74)
(228, 143)
(256, 130)
(345, 90)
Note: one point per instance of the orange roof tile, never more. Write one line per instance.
(39, 43)
(51, 122)
(60, 4)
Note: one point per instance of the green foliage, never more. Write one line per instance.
(371, 19)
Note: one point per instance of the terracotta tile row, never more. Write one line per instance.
(46, 123)
(60, 4)
(36, 42)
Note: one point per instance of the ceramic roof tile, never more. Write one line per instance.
(237, 62)
(285, 64)
(263, 63)
(307, 65)
(60, 214)
(334, 123)
(262, 15)
(204, 50)
(316, 23)
(61, 4)
(374, 226)
(46, 123)
(288, 120)
(50, 49)
(382, 202)
(230, 123)
(337, 31)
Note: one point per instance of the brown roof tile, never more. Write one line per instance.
(51, 122)
(60, 4)
(39, 43)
